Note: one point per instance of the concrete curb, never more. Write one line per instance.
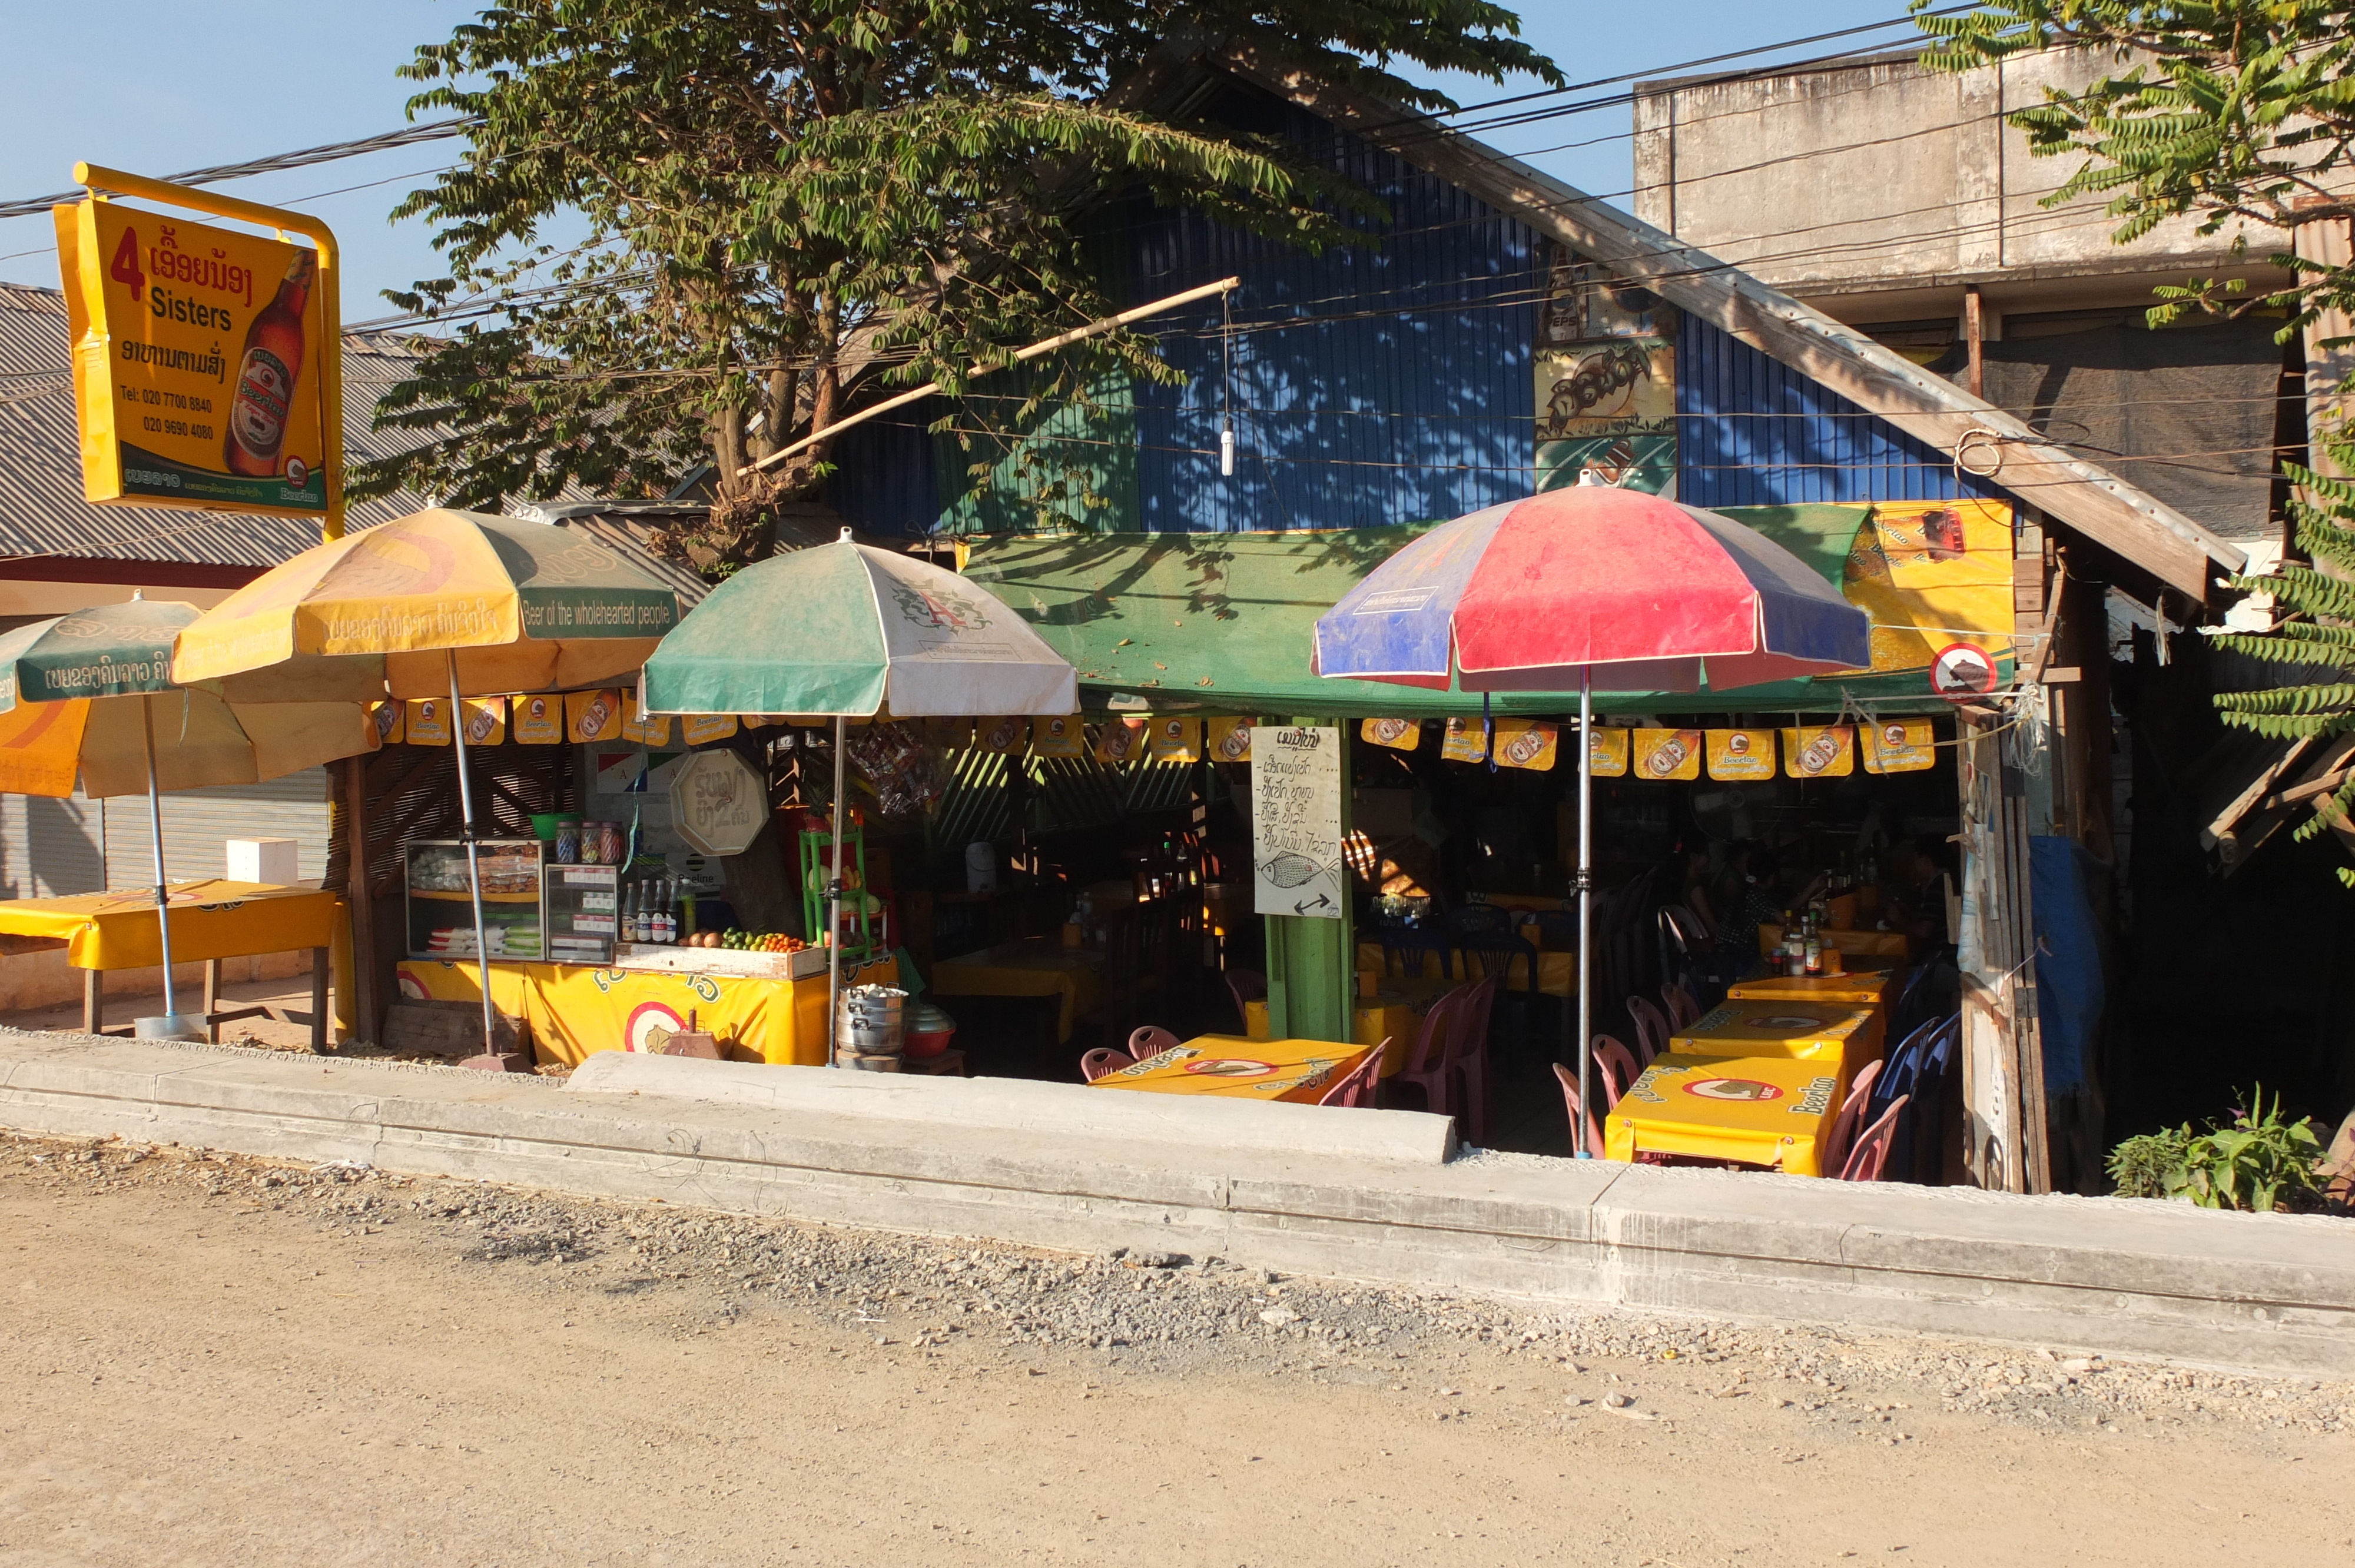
(2271, 1293)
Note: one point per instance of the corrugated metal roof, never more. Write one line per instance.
(42, 511)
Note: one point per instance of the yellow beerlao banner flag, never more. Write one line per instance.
(389, 718)
(539, 720)
(1667, 754)
(702, 729)
(486, 719)
(1899, 745)
(1229, 739)
(1004, 736)
(1819, 753)
(1176, 739)
(1526, 743)
(429, 721)
(592, 716)
(1398, 733)
(1741, 756)
(1120, 741)
(1062, 736)
(1606, 751)
(196, 362)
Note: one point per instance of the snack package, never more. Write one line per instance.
(894, 761)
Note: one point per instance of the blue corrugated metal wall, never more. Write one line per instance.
(883, 475)
(1754, 432)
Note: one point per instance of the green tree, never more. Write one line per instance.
(2243, 115)
(793, 205)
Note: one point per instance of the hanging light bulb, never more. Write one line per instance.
(1227, 450)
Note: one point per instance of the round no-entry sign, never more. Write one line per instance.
(1962, 671)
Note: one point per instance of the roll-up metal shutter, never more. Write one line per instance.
(198, 822)
(50, 848)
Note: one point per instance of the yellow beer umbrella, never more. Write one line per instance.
(438, 603)
(68, 716)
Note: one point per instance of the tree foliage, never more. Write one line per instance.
(2242, 113)
(694, 230)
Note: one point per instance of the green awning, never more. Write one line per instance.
(1223, 622)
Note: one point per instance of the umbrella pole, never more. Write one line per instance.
(156, 833)
(834, 908)
(474, 857)
(1585, 896)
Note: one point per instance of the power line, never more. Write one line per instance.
(408, 136)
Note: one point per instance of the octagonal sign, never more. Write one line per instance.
(718, 803)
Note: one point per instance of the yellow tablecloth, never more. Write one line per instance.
(577, 1009)
(1829, 1031)
(1557, 971)
(212, 918)
(1301, 1071)
(1871, 987)
(1035, 966)
(1761, 1111)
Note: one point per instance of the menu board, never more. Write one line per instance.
(1296, 867)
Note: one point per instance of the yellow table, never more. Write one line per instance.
(1557, 971)
(1833, 1033)
(211, 919)
(1034, 966)
(1760, 1110)
(1891, 945)
(1301, 1071)
(1394, 1013)
(578, 1010)
(1870, 988)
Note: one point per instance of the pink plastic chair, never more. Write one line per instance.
(1593, 1129)
(1355, 1088)
(1683, 1009)
(1467, 1054)
(1427, 1064)
(1872, 1151)
(1616, 1065)
(1859, 1094)
(1149, 1042)
(1101, 1061)
(1652, 1029)
(1246, 986)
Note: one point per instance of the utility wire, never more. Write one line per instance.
(408, 136)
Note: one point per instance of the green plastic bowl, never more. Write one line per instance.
(543, 824)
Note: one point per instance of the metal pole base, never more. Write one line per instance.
(171, 1026)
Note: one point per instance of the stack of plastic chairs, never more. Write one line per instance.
(1916, 1074)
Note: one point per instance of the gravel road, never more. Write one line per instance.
(210, 1359)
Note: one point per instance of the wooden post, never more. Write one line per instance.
(212, 998)
(1974, 340)
(359, 900)
(93, 1001)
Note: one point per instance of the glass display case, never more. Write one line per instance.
(581, 906)
(440, 910)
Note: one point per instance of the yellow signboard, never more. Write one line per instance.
(195, 355)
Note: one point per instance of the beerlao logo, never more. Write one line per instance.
(951, 612)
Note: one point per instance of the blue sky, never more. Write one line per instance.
(158, 88)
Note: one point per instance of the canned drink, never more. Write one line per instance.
(567, 842)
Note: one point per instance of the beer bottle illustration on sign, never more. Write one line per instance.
(266, 375)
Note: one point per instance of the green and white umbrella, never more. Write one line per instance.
(852, 632)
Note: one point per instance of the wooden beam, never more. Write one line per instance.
(1986, 440)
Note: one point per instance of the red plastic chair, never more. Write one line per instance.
(1150, 1041)
(1102, 1061)
(1355, 1088)
(1683, 1008)
(1467, 1054)
(1851, 1111)
(1616, 1065)
(1652, 1029)
(1427, 1064)
(1594, 1130)
(1872, 1151)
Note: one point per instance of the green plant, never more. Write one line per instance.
(2150, 1165)
(2255, 1162)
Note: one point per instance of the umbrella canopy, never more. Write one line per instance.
(55, 727)
(845, 629)
(524, 606)
(1641, 593)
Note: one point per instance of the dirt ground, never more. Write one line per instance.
(208, 1360)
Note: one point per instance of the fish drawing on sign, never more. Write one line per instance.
(1293, 870)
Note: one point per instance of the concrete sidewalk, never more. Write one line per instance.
(1380, 1198)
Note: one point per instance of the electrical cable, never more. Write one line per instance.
(407, 136)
